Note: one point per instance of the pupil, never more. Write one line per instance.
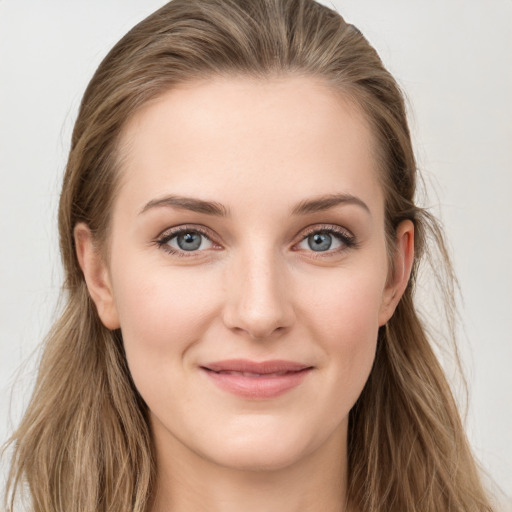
(320, 241)
(189, 241)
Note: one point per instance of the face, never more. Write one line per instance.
(248, 268)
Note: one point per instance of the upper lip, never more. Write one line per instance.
(259, 367)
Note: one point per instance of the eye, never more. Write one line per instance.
(332, 239)
(185, 240)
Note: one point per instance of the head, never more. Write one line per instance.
(186, 52)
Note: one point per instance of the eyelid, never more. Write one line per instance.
(346, 236)
(168, 234)
(176, 230)
(315, 228)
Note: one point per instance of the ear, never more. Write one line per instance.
(403, 258)
(96, 276)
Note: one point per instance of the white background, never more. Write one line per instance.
(452, 57)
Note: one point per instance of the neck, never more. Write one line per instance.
(188, 482)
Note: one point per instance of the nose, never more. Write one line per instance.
(258, 297)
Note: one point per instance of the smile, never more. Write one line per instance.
(256, 380)
(249, 374)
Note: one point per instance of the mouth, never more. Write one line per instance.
(256, 380)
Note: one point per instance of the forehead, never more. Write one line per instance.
(256, 140)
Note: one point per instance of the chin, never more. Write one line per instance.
(265, 449)
(258, 458)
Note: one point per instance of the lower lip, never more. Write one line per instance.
(257, 388)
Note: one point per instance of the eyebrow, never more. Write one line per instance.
(322, 203)
(188, 203)
(308, 206)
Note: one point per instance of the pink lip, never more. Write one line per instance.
(256, 380)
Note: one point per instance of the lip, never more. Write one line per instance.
(256, 380)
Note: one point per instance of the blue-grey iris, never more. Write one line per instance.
(320, 241)
(189, 241)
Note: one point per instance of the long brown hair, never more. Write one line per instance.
(84, 443)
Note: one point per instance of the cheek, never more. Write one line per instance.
(162, 318)
(161, 314)
(343, 316)
(346, 305)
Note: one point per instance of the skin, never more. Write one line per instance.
(253, 290)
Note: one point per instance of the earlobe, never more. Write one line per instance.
(96, 276)
(403, 259)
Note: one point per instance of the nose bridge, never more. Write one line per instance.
(258, 296)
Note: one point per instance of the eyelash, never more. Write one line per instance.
(344, 236)
(347, 239)
(163, 240)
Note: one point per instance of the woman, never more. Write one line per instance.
(240, 241)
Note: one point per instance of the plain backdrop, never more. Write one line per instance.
(453, 58)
